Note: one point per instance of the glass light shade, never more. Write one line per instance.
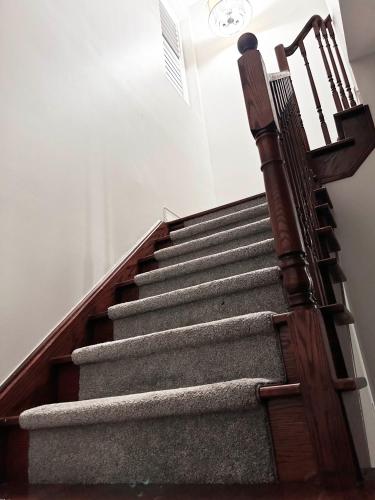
(228, 17)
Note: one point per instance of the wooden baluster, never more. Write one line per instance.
(325, 418)
(323, 124)
(331, 32)
(344, 99)
(335, 95)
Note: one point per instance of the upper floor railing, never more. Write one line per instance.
(333, 63)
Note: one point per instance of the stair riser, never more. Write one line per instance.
(178, 239)
(226, 211)
(266, 298)
(214, 273)
(230, 447)
(221, 247)
(249, 357)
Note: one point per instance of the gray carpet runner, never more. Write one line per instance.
(174, 398)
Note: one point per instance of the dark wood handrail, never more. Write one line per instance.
(316, 19)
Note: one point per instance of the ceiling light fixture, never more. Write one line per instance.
(229, 17)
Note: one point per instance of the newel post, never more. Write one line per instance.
(263, 126)
(324, 412)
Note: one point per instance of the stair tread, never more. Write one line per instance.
(220, 222)
(263, 225)
(253, 279)
(203, 263)
(223, 396)
(227, 208)
(182, 337)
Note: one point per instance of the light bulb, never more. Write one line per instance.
(228, 17)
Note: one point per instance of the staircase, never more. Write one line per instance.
(211, 354)
(174, 398)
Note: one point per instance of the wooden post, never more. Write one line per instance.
(281, 58)
(325, 416)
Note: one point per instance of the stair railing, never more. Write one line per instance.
(323, 30)
(276, 125)
(303, 184)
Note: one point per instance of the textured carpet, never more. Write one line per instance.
(223, 223)
(258, 200)
(215, 243)
(206, 434)
(229, 349)
(173, 399)
(193, 272)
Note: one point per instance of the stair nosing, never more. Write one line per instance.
(216, 209)
(252, 279)
(193, 266)
(240, 394)
(208, 225)
(212, 332)
(261, 226)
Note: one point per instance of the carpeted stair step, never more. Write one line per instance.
(243, 294)
(220, 211)
(219, 224)
(215, 433)
(240, 347)
(215, 243)
(230, 263)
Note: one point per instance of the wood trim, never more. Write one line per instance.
(326, 421)
(332, 266)
(350, 384)
(327, 235)
(279, 391)
(325, 216)
(61, 360)
(163, 242)
(126, 291)
(341, 144)
(339, 312)
(293, 450)
(322, 196)
(148, 263)
(343, 158)
(33, 382)
(14, 459)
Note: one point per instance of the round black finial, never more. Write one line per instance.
(247, 41)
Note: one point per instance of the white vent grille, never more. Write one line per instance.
(173, 56)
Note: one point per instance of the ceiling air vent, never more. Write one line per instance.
(173, 55)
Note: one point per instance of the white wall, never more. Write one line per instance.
(234, 156)
(94, 141)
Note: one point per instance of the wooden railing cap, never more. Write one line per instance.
(247, 41)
